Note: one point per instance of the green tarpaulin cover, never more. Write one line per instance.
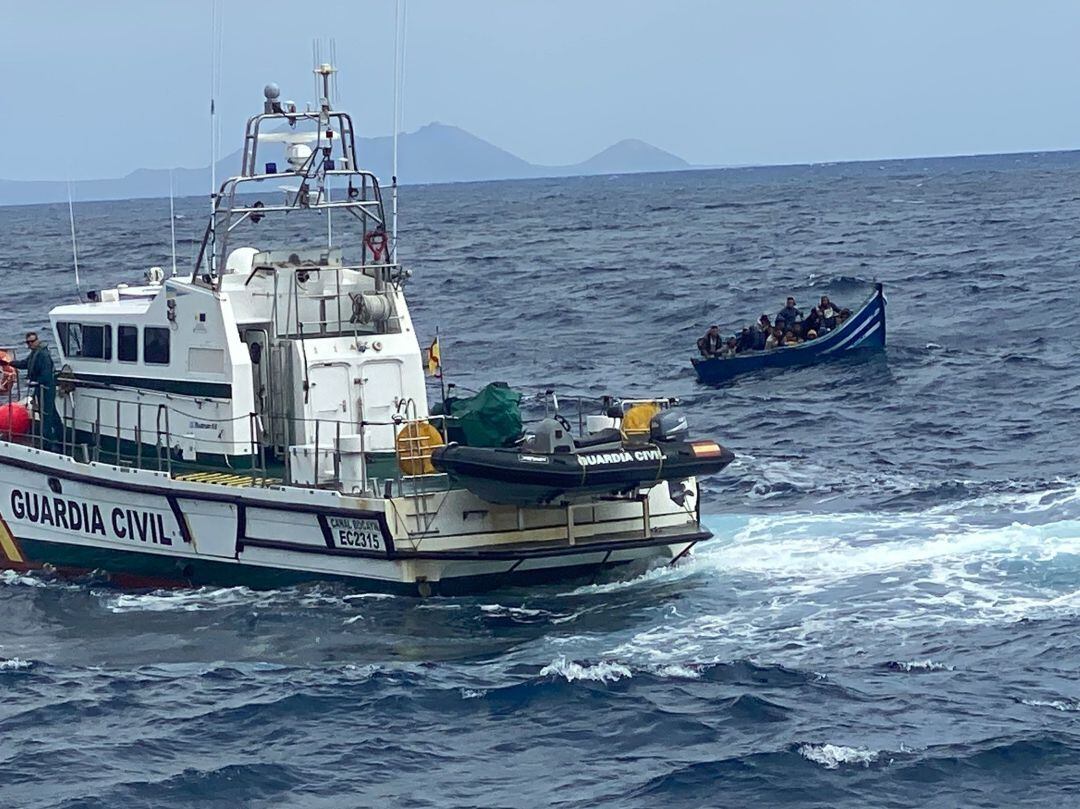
(491, 418)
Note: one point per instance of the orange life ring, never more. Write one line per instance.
(8, 375)
(377, 243)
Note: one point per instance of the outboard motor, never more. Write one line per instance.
(550, 437)
(668, 425)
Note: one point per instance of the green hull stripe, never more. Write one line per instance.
(132, 568)
(180, 387)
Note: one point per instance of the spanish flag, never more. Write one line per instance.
(434, 360)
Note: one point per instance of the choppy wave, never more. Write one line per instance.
(832, 756)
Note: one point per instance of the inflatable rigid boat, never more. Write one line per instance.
(554, 468)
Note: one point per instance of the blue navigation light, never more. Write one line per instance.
(271, 168)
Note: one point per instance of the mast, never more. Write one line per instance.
(216, 46)
(172, 222)
(400, 18)
(74, 249)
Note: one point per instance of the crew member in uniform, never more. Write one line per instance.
(41, 374)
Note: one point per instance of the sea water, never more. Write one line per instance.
(887, 616)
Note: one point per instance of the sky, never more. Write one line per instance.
(114, 85)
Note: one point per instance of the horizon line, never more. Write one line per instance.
(689, 168)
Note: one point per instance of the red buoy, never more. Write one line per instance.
(14, 420)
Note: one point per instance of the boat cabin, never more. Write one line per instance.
(284, 343)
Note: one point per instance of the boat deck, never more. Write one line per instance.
(228, 479)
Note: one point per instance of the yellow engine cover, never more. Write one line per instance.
(635, 421)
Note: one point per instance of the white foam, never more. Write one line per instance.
(676, 671)
(603, 672)
(660, 573)
(923, 665)
(819, 550)
(804, 578)
(360, 596)
(14, 577)
(204, 598)
(832, 756)
(1068, 706)
(361, 672)
(16, 664)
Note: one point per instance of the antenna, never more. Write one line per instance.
(326, 82)
(213, 111)
(172, 222)
(401, 13)
(74, 249)
(333, 60)
(216, 47)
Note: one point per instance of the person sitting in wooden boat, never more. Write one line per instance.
(811, 335)
(761, 331)
(745, 340)
(787, 316)
(829, 312)
(775, 338)
(812, 323)
(791, 339)
(730, 349)
(712, 343)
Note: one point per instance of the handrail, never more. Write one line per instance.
(261, 441)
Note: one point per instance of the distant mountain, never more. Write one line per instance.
(625, 155)
(436, 153)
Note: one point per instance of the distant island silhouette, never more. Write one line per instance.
(435, 153)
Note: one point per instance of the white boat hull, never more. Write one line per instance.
(145, 528)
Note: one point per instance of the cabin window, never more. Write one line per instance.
(127, 343)
(85, 341)
(156, 345)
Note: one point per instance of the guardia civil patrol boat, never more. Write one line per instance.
(264, 420)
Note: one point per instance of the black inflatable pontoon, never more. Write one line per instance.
(526, 477)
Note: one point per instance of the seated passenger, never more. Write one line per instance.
(828, 312)
(775, 339)
(761, 331)
(745, 342)
(786, 317)
(811, 335)
(730, 349)
(844, 315)
(812, 322)
(711, 343)
(791, 339)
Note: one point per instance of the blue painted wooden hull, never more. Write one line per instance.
(863, 331)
